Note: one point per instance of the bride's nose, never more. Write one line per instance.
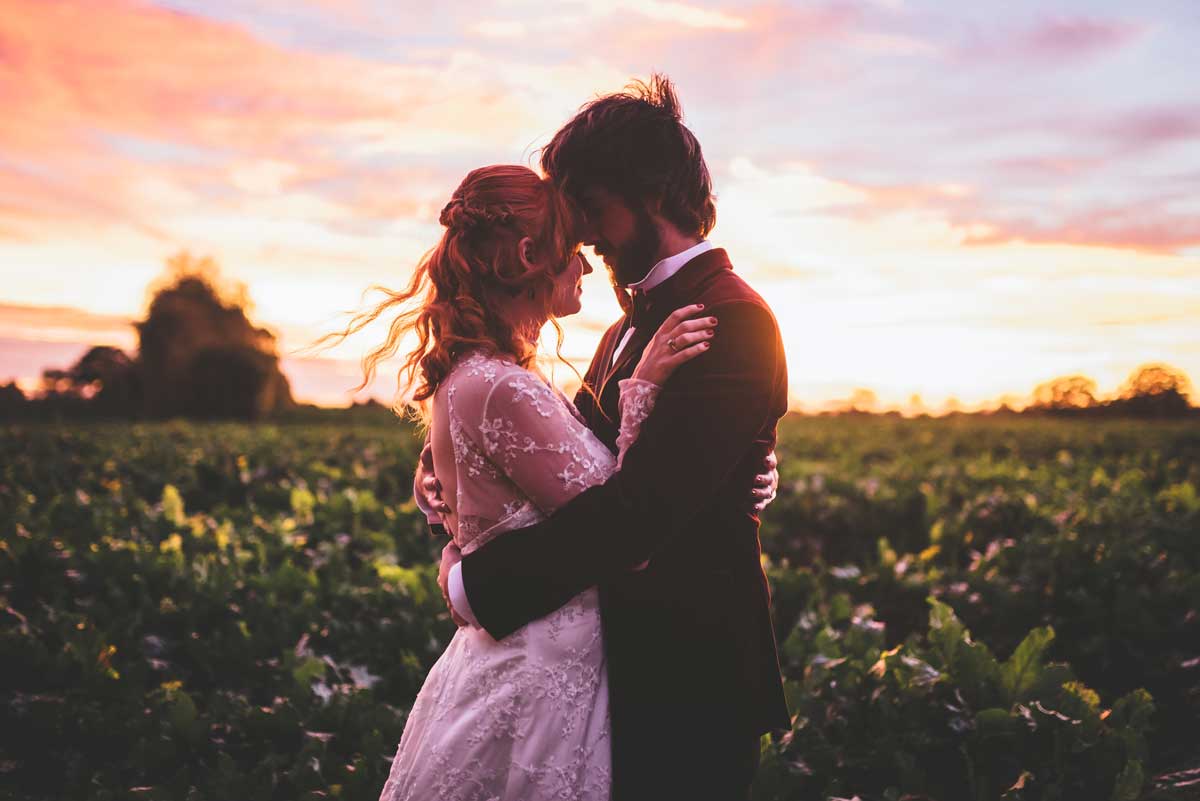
(587, 265)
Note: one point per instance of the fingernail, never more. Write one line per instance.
(712, 320)
(699, 305)
(705, 345)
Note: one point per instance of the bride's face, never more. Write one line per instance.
(568, 286)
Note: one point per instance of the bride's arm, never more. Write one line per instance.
(531, 434)
(636, 402)
(526, 429)
(706, 421)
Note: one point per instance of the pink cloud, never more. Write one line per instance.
(19, 319)
(89, 193)
(169, 76)
(1048, 166)
(1148, 227)
(1055, 39)
(1074, 37)
(877, 201)
(774, 39)
(1151, 127)
(122, 113)
(1139, 228)
(29, 202)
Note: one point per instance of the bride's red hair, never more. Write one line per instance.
(450, 303)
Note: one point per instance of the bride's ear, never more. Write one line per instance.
(526, 253)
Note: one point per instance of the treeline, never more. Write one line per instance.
(198, 356)
(1153, 390)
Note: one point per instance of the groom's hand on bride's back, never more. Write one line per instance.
(428, 492)
(427, 484)
(766, 484)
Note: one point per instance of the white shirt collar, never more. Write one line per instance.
(669, 266)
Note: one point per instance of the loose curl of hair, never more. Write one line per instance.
(451, 302)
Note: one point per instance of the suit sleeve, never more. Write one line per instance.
(704, 422)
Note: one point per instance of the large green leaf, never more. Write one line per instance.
(1021, 671)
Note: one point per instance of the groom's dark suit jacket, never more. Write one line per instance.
(690, 649)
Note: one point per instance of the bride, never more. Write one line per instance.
(525, 717)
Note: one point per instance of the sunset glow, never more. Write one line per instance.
(944, 200)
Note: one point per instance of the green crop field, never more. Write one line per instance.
(967, 609)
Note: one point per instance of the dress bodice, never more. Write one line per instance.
(520, 448)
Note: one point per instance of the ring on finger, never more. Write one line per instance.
(673, 345)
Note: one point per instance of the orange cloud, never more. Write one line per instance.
(172, 77)
(34, 201)
(161, 74)
(178, 129)
(64, 324)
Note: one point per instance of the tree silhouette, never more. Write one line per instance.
(235, 381)
(198, 353)
(12, 400)
(1065, 393)
(103, 381)
(109, 377)
(1155, 390)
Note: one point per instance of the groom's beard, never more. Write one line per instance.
(632, 261)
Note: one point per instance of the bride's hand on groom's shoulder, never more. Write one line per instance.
(682, 337)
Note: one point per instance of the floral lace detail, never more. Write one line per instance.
(525, 717)
(636, 401)
(465, 452)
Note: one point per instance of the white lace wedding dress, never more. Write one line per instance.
(524, 718)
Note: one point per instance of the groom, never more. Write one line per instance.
(691, 657)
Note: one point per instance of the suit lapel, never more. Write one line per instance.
(679, 289)
(634, 346)
(597, 376)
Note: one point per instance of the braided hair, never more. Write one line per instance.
(452, 303)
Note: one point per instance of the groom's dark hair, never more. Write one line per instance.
(634, 144)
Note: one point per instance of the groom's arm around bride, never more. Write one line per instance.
(691, 657)
(691, 653)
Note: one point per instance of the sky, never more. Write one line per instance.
(951, 200)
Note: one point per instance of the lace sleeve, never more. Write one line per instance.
(636, 402)
(531, 436)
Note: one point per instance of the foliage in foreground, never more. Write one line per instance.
(223, 611)
(210, 612)
(1089, 532)
(939, 717)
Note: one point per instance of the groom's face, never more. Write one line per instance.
(624, 236)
